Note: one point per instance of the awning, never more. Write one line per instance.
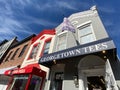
(2, 71)
(29, 69)
(93, 47)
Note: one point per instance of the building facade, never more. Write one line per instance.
(14, 59)
(4, 47)
(31, 75)
(84, 59)
(77, 55)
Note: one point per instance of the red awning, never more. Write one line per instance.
(32, 68)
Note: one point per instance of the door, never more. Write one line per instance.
(91, 70)
(96, 83)
(35, 83)
(93, 79)
(56, 83)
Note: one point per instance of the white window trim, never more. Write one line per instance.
(65, 32)
(86, 23)
(62, 33)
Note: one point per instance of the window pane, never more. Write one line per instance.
(35, 83)
(46, 48)
(8, 57)
(14, 54)
(46, 51)
(19, 82)
(56, 83)
(23, 50)
(87, 39)
(47, 44)
(61, 43)
(85, 34)
(34, 50)
(85, 30)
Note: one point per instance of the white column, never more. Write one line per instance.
(81, 81)
(109, 77)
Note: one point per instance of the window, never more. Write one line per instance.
(35, 83)
(56, 83)
(19, 82)
(23, 50)
(34, 51)
(86, 34)
(8, 57)
(61, 42)
(46, 48)
(1, 55)
(14, 54)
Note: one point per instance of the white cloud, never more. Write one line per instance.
(10, 26)
(66, 5)
(39, 21)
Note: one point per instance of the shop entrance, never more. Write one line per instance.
(91, 73)
(96, 83)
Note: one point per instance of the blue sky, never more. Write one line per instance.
(22, 18)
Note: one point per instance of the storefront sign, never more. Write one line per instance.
(18, 71)
(76, 51)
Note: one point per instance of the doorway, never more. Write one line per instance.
(96, 83)
(91, 73)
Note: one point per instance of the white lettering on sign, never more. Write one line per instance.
(78, 51)
(18, 71)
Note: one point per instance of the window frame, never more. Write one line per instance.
(23, 50)
(35, 76)
(46, 41)
(8, 57)
(15, 53)
(35, 45)
(82, 26)
(60, 34)
(16, 78)
(56, 78)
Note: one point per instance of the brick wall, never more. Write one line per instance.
(17, 60)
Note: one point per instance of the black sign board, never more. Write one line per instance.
(96, 46)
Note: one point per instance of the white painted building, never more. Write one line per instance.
(85, 59)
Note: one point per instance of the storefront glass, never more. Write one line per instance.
(35, 83)
(56, 84)
(19, 82)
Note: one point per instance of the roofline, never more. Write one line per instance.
(24, 40)
(46, 31)
(3, 42)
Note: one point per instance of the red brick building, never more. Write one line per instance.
(14, 58)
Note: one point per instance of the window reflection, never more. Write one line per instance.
(86, 34)
(35, 83)
(46, 48)
(56, 83)
(61, 42)
(19, 82)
